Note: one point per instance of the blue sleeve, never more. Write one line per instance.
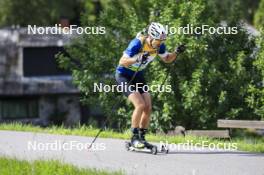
(162, 49)
(133, 47)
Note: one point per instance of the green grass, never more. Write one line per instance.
(247, 143)
(10, 166)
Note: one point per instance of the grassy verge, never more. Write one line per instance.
(251, 144)
(40, 167)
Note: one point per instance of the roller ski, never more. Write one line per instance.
(138, 143)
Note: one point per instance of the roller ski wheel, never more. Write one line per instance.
(154, 150)
(164, 149)
(128, 146)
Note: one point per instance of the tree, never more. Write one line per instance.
(213, 75)
(209, 81)
(226, 10)
(259, 15)
(98, 55)
(255, 98)
(38, 12)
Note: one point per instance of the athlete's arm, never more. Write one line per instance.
(165, 56)
(133, 48)
(126, 61)
(170, 57)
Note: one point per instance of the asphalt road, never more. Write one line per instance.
(110, 154)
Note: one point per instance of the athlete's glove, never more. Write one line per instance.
(143, 58)
(181, 48)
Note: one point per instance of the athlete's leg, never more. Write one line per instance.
(145, 117)
(139, 105)
(134, 97)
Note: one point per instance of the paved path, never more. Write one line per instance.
(110, 154)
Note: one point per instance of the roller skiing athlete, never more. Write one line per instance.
(141, 51)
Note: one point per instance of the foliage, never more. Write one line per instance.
(256, 89)
(45, 167)
(259, 15)
(38, 12)
(209, 81)
(243, 9)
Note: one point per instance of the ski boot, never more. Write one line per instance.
(152, 148)
(134, 142)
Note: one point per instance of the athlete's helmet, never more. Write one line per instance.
(157, 31)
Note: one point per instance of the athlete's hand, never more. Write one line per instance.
(181, 48)
(143, 58)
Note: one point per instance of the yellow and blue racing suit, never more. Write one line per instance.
(135, 49)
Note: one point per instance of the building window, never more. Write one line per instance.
(41, 61)
(18, 108)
